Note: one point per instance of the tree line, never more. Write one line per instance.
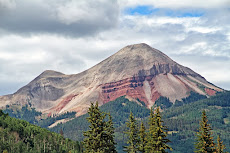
(100, 136)
(20, 136)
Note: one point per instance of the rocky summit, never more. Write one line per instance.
(136, 71)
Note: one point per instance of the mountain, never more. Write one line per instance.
(137, 71)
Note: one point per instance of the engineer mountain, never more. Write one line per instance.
(136, 71)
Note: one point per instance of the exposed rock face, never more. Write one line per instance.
(137, 71)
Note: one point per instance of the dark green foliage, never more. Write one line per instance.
(25, 113)
(119, 109)
(132, 135)
(142, 103)
(183, 121)
(163, 103)
(2, 114)
(143, 139)
(151, 132)
(205, 142)
(178, 103)
(18, 136)
(32, 116)
(157, 141)
(50, 120)
(99, 137)
(193, 97)
(110, 142)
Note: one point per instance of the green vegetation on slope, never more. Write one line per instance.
(45, 123)
(164, 102)
(182, 121)
(34, 117)
(24, 113)
(18, 136)
(119, 109)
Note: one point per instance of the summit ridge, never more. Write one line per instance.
(137, 71)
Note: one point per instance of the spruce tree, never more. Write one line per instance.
(99, 138)
(110, 143)
(151, 133)
(160, 140)
(132, 134)
(204, 142)
(143, 138)
(220, 146)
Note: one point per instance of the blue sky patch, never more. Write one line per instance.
(146, 10)
(184, 13)
(141, 10)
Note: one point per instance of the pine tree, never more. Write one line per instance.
(160, 140)
(110, 143)
(143, 138)
(204, 142)
(132, 134)
(151, 133)
(100, 137)
(93, 141)
(220, 146)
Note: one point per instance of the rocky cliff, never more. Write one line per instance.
(138, 71)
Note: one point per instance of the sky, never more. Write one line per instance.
(71, 36)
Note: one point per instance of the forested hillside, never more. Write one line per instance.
(17, 136)
(181, 120)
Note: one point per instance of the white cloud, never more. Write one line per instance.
(177, 3)
(75, 11)
(201, 43)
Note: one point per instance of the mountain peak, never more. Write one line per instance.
(138, 71)
(51, 73)
(144, 51)
(140, 45)
(132, 60)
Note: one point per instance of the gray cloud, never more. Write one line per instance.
(65, 17)
(201, 43)
(178, 3)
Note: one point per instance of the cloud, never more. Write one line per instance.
(7, 4)
(64, 17)
(52, 40)
(175, 4)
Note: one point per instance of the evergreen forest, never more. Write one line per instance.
(19, 136)
(181, 120)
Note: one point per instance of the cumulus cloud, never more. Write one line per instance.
(40, 43)
(64, 17)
